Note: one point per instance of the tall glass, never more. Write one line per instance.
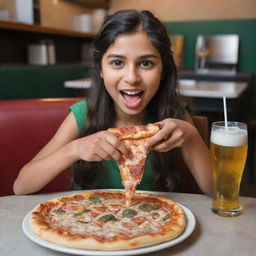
(228, 150)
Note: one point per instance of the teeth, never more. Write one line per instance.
(132, 92)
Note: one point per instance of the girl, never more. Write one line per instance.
(134, 82)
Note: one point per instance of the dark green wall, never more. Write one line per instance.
(33, 82)
(24, 82)
(246, 29)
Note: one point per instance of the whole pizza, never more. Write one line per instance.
(99, 220)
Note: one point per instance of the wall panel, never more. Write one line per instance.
(178, 10)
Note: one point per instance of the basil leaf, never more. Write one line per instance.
(155, 214)
(155, 206)
(107, 217)
(149, 229)
(59, 211)
(84, 222)
(95, 199)
(166, 217)
(78, 213)
(149, 207)
(129, 213)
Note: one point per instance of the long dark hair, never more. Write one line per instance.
(101, 113)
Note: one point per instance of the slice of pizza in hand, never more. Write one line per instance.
(132, 168)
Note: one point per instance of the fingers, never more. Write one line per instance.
(110, 147)
(111, 151)
(162, 135)
(169, 137)
(117, 144)
(175, 140)
(105, 146)
(100, 155)
(101, 146)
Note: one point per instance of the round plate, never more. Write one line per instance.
(35, 238)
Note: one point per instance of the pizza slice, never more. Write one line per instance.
(132, 168)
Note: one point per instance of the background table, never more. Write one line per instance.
(210, 105)
(211, 89)
(213, 234)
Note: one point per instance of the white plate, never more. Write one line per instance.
(189, 229)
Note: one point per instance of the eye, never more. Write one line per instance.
(117, 63)
(146, 63)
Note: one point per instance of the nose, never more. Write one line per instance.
(132, 75)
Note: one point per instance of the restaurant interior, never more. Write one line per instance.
(45, 54)
(45, 67)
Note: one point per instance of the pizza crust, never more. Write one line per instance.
(136, 131)
(93, 244)
(120, 242)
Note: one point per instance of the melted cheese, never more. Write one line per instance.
(76, 221)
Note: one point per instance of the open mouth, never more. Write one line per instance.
(132, 98)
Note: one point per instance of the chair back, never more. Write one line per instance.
(188, 182)
(202, 125)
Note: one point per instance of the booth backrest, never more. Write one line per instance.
(25, 127)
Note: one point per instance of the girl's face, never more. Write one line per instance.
(131, 70)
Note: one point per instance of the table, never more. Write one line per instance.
(213, 234)
(212, 107)
(79, 83)
(187, 87)
(211, 89)
(205, 97)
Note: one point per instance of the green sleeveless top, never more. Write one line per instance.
(111, 178)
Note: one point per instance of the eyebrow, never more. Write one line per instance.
(123, 57)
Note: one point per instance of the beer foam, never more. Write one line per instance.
(232, 137)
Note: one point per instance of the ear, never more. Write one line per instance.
(101, 74)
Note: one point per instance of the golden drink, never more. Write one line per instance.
(228, 153)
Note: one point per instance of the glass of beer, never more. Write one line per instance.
(228, 150)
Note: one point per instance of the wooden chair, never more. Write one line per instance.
(251, 150)
(202, 125)
(188, 183)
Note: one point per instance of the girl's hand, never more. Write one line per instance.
(100, 146)
(173, 133)
(179, 133)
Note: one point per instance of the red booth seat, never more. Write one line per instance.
(25, 127)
